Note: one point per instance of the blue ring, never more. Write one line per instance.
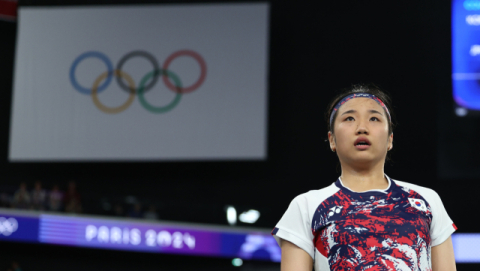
(81, 57)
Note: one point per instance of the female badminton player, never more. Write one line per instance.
(365, 220)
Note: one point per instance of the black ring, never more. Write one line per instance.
(133, 54)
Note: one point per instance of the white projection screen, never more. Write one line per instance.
(141, 83)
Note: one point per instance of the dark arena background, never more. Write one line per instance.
(213, 210)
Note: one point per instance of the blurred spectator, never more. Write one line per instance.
(55, 198)
(38, 197)
(151, 213)
(5, 200)
(21, 198)
(136, 211)
(118, 210)
(72, 199)
(73, 206)
(15, 267)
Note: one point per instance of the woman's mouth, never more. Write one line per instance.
(362, 143)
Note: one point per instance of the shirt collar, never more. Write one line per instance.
(340, 185)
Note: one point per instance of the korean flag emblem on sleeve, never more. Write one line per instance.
(418, 203)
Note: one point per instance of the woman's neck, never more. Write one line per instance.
(360, 180)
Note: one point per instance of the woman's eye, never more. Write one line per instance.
(349, 118)
(374, 118)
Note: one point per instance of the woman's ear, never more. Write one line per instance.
(331, 139)
(390, 142)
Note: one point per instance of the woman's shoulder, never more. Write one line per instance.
(317, 194)
(423, 191)
(412, 186)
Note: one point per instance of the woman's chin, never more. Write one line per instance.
(364, 158)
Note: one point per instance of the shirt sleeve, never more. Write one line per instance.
(295, 226)
(442, 226)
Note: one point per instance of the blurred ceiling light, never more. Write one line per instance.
(237, 262)
(231, 215)
(461, 112)
(250, 216)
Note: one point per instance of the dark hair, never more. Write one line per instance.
(361, 88)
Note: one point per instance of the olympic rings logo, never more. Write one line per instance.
(8, 226)
(104, 80)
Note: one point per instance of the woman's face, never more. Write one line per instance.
(361, 132)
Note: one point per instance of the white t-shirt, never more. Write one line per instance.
(391, 229)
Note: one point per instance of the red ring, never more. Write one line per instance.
(203, 71)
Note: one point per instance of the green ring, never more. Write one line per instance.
(161, 109)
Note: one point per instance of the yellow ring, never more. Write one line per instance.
(113, 110)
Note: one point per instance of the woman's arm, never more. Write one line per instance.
(295, 258)
(442, 257)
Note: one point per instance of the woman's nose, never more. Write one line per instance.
(361, 129)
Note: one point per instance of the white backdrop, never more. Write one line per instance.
(224, 118)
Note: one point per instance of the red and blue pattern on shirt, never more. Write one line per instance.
(375, 230)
